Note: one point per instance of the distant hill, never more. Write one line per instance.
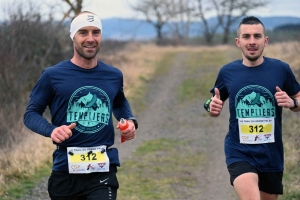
(288, 27)
(126, 29)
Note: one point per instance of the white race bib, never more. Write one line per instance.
(82, 160)
(256, 130)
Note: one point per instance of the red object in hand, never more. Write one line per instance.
(123, 125)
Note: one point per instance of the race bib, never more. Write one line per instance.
(82, 160)
(256, 130)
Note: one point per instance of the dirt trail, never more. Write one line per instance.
(161, 119)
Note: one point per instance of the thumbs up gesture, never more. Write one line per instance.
(216, 104)
(283, 99)
(62, 133)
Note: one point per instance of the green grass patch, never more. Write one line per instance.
(18, 185)
(165, 63)
(157, 169)
(202, 68)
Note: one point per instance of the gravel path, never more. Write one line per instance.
(161, 119)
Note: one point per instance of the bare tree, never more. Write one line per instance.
(229, 11)
(75, 7)
(209, 30)
(28, 44)
(180, 25)
(157, 13)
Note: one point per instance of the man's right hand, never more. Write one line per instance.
(216, 104)
(62, 133)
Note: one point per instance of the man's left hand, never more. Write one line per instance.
(128, 133)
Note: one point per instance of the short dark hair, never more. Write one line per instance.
(250, 20)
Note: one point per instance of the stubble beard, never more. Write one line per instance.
(253, 58)
(87, 56)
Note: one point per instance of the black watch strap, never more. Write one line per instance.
(136, 125)
(295, 103)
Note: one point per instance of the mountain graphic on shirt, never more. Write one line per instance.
(89, 111)
(89, 101)
(254, 101)
(89, 107)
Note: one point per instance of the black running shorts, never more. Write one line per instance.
(269, 182)
(92, 186)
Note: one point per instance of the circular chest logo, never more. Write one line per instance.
(254, 101)
(89, 107)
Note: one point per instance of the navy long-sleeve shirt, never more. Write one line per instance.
(87, 97)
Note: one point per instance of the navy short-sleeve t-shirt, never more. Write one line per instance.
(251, 91)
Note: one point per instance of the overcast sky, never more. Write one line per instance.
(120, 8)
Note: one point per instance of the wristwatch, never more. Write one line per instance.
(206, 105)
(295, 103)
(136, 125)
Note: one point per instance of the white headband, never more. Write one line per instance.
(85, 19)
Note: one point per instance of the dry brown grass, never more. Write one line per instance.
(137, 61)
(21, 161)
(134, 61)
(286, 51)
